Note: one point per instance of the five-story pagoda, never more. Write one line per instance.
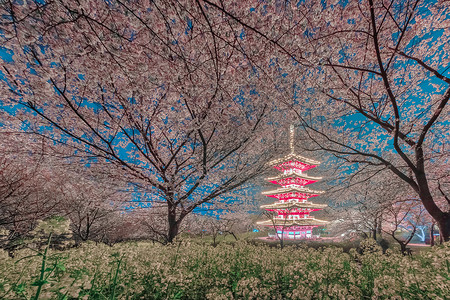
(291, 218)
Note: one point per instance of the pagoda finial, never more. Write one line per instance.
(291, 139)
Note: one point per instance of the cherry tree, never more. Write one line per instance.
(228, 214)
(156, 90)
(350, 223)
(29, 191)
(361, 202)
(404, 216)
(371, 78)
(383, 203)
(36, 185)
(387, 82)
(90, 199)
(227, 223)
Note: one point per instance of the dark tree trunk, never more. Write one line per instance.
(214, 240)
(404, 250)
(379, 226)
(444, 228)
(442, 218)
(280, 238)
(432, 234)
(88, 231)
(173, 223)
(374, 229)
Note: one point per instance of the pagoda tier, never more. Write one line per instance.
(292, 192)
(294, 161)
(287, 223)
(295, 232)
(294, 212)
(293, 178)
(294, 206)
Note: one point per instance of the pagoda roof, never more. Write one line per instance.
(292, 189)
(293, 175)
(295, 157)
(296, 222)
(289, 205)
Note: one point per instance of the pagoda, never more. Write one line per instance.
(291, 218)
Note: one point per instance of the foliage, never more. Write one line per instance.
(36, 185)
(381, 203)
(169, 104)
(191, 270)
(373, 78)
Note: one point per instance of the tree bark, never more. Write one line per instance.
(403, 248)
(173, 223)
(214, 239)
(444, 228)
(442, 218)
(432, 235)
(374, 229)
(379, 230)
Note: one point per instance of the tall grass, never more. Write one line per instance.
(192, 270)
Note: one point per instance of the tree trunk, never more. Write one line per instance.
(444, 228)
(214, 240)
(379, 226)
(232, 233)
(442, 218)
(443, 221)
(402, 248)
(405, 251)
(432, 235)
(174, 225)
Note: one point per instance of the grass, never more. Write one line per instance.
(193, 269)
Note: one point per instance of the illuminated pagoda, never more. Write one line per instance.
(291, 218)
